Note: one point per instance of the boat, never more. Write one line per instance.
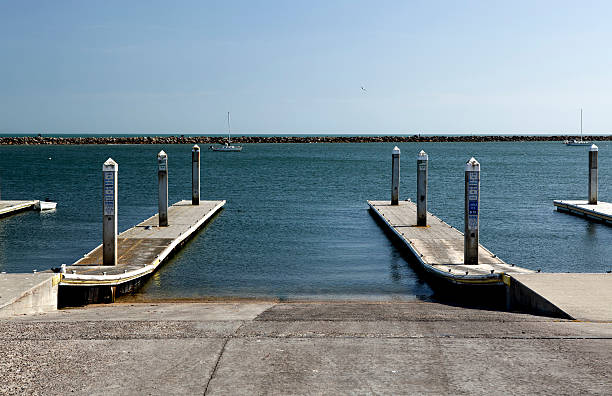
(45, 205)
(228, 145)
(575, 142)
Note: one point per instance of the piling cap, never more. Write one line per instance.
(195, 148)
(396, 150)
(594, 148)
(162, 154)
(110, 165)
(422, 156)
(472, 165)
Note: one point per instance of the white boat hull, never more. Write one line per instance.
(226, 148)
(45, 205)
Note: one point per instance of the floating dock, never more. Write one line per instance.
(438, 247)
(8, 208)
(140, 251)
(602, 211)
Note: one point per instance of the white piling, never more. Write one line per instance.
(110, 171)
(395, 175)
(472, 208)
(422, 165)
(195, 175)
(593, 154)
(162, 178)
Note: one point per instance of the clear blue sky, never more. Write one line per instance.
(298, 66)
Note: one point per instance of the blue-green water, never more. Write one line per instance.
(296, 223)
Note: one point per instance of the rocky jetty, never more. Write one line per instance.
(59, 140)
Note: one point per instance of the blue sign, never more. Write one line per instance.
(109, 193)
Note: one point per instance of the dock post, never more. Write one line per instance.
(195, 175)
(422, 165)
(162, 178)
(395, 175)
(110, 171)
(472, 203)
(593, 152)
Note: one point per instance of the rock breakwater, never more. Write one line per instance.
(203, 140)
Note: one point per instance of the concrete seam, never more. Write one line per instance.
(214, 371)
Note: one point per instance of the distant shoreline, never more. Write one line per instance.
(205, 140)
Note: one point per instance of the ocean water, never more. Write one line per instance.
(296, 223)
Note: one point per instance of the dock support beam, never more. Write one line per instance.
(195, 175)
(395, 176)
(593, 152)
(162, 178)
(472, 203)
(422, 165)
(110, 171)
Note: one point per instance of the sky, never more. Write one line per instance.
(298, 67)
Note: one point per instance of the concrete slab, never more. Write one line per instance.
(581, 296)
(102, 367)
(23, 294)
(411, 366)
(157, 311)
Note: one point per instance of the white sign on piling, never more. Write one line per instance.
(422, 165)
(162, 179)
(472, 208)
(110, 171)
(593, 153)
(195, 175)
(395, 175)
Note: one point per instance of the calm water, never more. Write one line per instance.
(296, 223)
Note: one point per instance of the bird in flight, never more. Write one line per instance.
(363, 89)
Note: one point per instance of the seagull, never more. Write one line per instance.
(363, 89)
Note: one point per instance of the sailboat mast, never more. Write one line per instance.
(581, 125)
(229, 130)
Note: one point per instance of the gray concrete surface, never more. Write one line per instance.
(23, 294)
(581, 296)
(301, 348)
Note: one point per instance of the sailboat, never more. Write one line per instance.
(580, 142)
(228, 145)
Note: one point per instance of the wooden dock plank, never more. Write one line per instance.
(143, 247)
(439, 247)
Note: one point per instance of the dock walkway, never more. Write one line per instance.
(141, 249)
(600, 212)
(10, 207)
(438, 247)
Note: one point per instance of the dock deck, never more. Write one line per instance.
(600, 212)
(10, 207)
(141, 249)
(438, 247)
